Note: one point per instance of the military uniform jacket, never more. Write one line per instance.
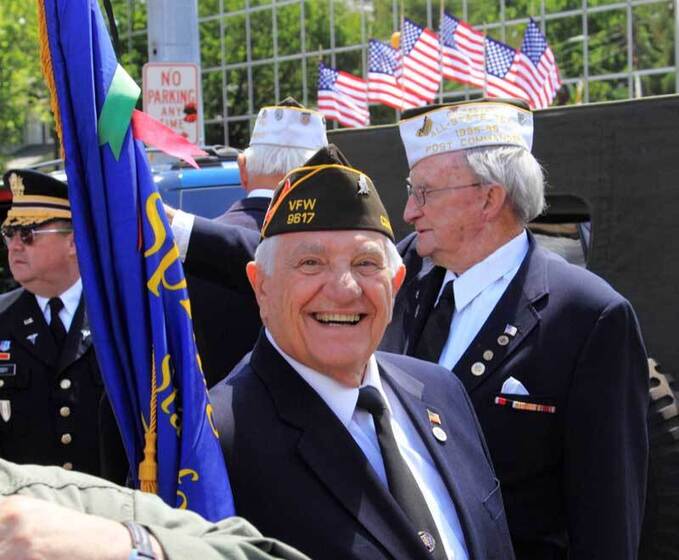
(572, 468)
(52, 409)
(182, 534)
(226, 322)
(298, 475)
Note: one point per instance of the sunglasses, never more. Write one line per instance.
(27, 233)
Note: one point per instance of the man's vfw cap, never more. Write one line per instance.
(326, 194)
(433, 130)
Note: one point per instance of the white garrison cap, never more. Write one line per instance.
(466, 125)
(289, 125)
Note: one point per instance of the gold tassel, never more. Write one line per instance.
(48, 72)
(148, 468)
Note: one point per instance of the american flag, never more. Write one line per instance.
(343, 97)
(462, 58)
(421, 52)
(538, 68)
(502, 71)
(384, 69)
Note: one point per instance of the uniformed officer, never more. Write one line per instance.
(51, 393)
(227, 322)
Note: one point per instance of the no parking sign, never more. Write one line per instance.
(172, 95)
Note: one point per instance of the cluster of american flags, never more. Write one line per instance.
(410, 76)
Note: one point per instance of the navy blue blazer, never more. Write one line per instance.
(574, 480)
(299, 476)
(226, 322)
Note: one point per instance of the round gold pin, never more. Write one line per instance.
(488, 355)
(503, 340)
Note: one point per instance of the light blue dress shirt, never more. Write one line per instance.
(477, 291)
(342, 401)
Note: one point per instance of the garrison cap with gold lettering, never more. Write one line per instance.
(326, 194)
(433, 130)
(36, 198)
(289, 125)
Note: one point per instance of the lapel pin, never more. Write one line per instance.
(28, 321)
(85, 333)
(434, 418)
(32, 337)
(488, 355)
(5, 345)
(511, 330)
(436, 429)
(5, 356)
(478, 368)
(503, 340)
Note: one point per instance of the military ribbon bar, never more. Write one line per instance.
(521, 405)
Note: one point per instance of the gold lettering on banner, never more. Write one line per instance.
(210, 413)
(159, 275)
(169, 400)
(172, 255)
(183, 473)
(186, 304)
(156, 223)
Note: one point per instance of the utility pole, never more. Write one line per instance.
(173, 37)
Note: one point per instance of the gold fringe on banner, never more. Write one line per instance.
(48, 72)
(148, 468)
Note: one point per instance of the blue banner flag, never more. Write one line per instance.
(133, 280)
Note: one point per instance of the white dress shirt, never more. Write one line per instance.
(70, 298)
(342, 401)
(477, 291)
(264, 193)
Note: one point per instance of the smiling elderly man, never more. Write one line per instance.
(338, 450)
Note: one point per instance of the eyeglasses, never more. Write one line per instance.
(419, 193)
(27, 234)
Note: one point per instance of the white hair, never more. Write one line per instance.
(263, 159)
(265, 255)
(517, 170)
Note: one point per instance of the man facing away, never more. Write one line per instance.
(341, 451)
(550, 354)
(227, 322)
(52, 405)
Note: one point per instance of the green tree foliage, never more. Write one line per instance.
(21, 86)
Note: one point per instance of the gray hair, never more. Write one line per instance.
(264, 159)
(265, 255)
(517, 170)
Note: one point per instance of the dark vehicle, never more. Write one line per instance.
(613, 200)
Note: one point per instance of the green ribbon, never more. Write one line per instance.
(116, 113)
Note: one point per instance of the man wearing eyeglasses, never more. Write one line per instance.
(51, 393)
(550, 354)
